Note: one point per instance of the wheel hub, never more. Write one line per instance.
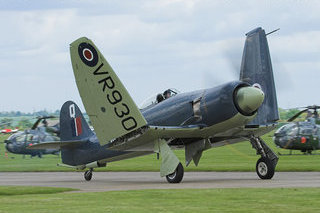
(172, 176)
(263, 168)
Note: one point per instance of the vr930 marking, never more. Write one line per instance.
(114, 97)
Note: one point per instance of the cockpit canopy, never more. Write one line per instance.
(31, 137)
(293, 129)
(155, 99)
(288, 129)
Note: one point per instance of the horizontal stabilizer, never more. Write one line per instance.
(57, 144)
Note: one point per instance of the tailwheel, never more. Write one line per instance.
(265, 168)
(177, 175)
(88, 175)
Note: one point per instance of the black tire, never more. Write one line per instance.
(177, 175)
(265, 168)
(88, 175)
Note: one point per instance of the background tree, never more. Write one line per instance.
(25, 123)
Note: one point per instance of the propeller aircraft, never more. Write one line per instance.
(302, 135)
(19, 142)
(236, 111)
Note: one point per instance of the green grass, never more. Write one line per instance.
(178, 200)
(26, 190)
(236, 157)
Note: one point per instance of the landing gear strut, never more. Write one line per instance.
(88, 174)
(177, 175)
(266, 165)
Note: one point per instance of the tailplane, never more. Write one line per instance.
(74, 130)
(256, 68)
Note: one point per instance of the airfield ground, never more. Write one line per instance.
(238, 157)
(175, 200)
(122, 181)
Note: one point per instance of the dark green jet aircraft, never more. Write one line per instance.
(303, 135)
(196, 121)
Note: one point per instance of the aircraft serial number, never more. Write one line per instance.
(121, 109)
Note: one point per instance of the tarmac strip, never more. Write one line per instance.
(114, 181)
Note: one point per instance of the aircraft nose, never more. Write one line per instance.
(9, 147)
(249, 99)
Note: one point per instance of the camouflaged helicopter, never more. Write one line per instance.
(40, 132)
(302, 135)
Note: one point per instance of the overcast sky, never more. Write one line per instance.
(154, 45)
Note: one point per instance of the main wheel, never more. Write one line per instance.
(88, 175)
(177, 175)
(265, 168)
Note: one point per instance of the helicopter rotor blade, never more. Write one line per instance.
(35, 125)
(297, 115)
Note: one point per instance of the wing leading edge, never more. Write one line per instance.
(57, 144)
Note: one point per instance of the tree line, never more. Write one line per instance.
(35, 114)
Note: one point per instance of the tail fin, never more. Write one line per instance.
(111, 109)
(256, 67)
(73, 126)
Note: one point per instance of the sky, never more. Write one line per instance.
(154, 45)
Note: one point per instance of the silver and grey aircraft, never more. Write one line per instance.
(236, 111)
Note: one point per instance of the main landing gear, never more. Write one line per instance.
(177, 175)
(266, 165)
(88, 174)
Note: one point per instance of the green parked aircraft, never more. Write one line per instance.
(303, 135)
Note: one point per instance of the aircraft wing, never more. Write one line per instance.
(146, 138)
(56, 144)
(110, 107)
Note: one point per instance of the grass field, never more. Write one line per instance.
(27, 190)
(237, 157)
(185, 200)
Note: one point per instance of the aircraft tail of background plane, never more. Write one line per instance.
(256, 67)
(72, 123)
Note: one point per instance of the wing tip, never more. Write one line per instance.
(79, 40)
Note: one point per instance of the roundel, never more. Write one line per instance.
(88, 54)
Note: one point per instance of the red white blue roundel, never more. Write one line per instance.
(88, 54)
